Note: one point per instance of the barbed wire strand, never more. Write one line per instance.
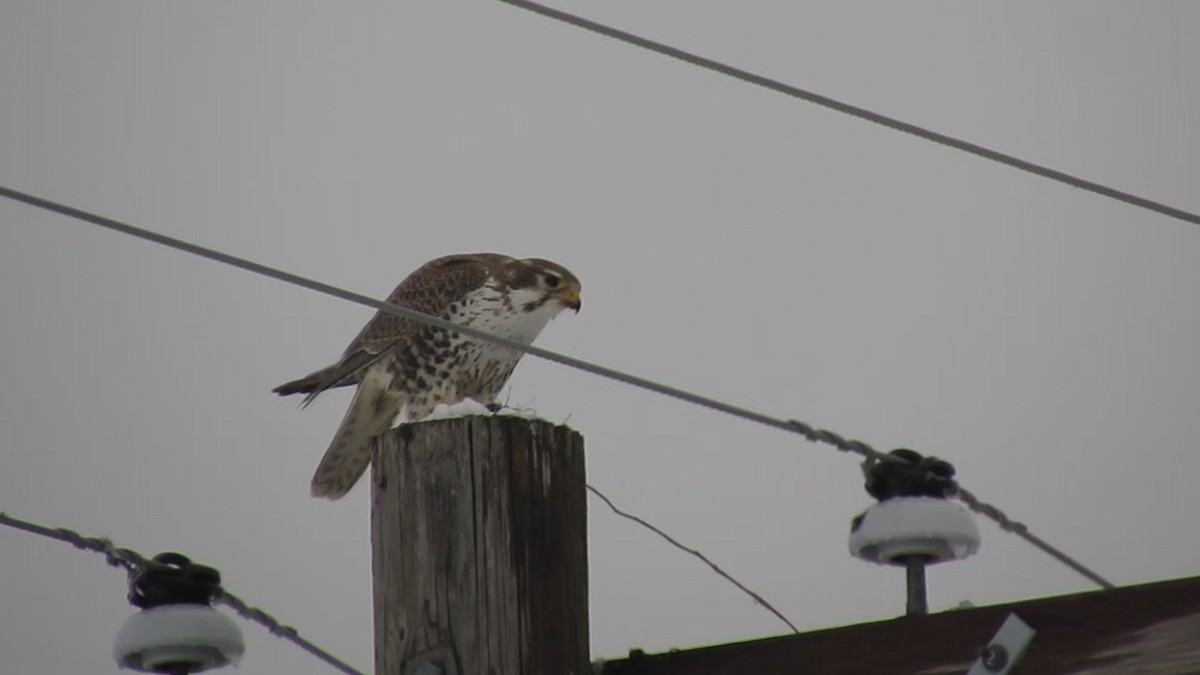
(855, 111)
(790, 425)
(134, 562)
(758, 599)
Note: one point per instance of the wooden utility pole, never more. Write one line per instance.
(479, 538)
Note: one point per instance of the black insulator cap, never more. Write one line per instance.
(173, 579)
(910, 474)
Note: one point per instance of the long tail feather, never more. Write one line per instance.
(349, 454)
(341, 374)
(308, 383)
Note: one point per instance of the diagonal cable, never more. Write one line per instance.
(855, 111)
(398, 310)
(758, 599)
(967, 497)
(794, 426)
(262, 618)
(134, 562)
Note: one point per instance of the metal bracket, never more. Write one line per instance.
(1006, 648)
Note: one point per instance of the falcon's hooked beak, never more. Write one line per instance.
(570, 298)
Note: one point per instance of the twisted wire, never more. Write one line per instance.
(964, 495)
(134, 562)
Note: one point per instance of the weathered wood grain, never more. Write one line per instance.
(479, 537)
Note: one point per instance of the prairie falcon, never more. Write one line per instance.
(404, 368)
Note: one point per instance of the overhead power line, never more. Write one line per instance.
(791, 425)
(855, 111)
(134, 562)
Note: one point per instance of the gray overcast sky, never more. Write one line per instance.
(730, 240)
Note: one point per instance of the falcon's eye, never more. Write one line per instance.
(553, 281)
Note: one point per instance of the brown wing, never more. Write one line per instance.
(430, 289)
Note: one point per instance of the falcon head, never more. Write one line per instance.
(543, 284)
